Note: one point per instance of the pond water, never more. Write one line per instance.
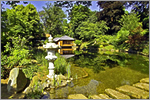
(105, 70)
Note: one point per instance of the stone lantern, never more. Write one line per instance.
(51, 57)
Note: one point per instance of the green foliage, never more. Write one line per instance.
(127, 22)
(88, 31)
(52, 18)
(69, 4)
(97, 62)
(19, 55)
(84, 45)
(111, 13)
(36, 94)
(60, 65)
(146, 49)
(24, 21)
(68, 70)
(109, 47)
(30, 71)
(105, 40)
(77, 15)
(68, 28)
(78, 42)
(12, 3)
(130, 33)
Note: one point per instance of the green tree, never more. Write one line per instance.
(67, 27)
(52, 18)
(24, 21)
(70, 4)
(142, 9)
(11, 3)
(77, 15)
(111, 13)
(88, 31)
(131, 35)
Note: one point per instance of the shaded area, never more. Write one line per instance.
(98, 62)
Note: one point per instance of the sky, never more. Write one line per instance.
(40, 4)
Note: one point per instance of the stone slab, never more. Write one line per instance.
(116, 95)
(143, 86)
(95, 97)
(144, 80)
(104, 96)
(77, 96)
(134, 92)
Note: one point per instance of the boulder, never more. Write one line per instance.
(17, 80)
(104, 96)
(134, 92)
(95, 97)
(116, 95)
(143, 86)
(77, 96)
(145, 80)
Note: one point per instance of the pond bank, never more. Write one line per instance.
(126, 50)
(139, 90)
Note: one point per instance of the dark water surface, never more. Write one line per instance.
(105, 70)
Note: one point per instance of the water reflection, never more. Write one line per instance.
(66, 52)
(120, 69)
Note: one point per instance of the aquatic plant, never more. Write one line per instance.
(60, 64)
(59, 80)
(68, 71)
(76, 76)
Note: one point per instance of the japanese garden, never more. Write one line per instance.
(76, 53)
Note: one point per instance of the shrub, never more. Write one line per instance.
(146, 49)
(78, 42)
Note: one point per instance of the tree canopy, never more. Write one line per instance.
(52, 18)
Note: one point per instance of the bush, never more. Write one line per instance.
(146, 49)
(78, 42)
(30, 71)
(16, 53)
(84, 45)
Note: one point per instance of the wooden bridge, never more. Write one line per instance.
(139, 90)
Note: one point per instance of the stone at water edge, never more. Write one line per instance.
(145, 80)
(134, 92)
(95, 97)
(143, 86)
(104, 96)
(17, 80)
(77, 96)
(115, 94)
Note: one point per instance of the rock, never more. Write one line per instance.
(17, 80)
(64, 83)
(134, 92)
(77, 96)
(104, 96)
(116, 95)
(144, 80)
(95, 97)
(62, 77)
(143, 86)
(46, 95)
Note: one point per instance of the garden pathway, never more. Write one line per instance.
(139, 90)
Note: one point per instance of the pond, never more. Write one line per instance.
(105, 70)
